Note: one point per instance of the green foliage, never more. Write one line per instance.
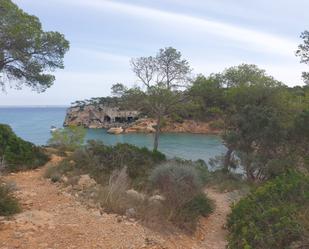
(227, 181)
(264, 122)
(176, 181)
(217, 124)
(68, 138)
(303, 53)
(181, 185)
(8, 204)
(17, 154)
(26, 51)
(157, 101)
(100, 160)
(54, 172)
(188, 215)
(176, 118)
(106, 101)
(208, 94)
(246, 75)
(269, 217)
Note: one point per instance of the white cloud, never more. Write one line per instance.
(101, 55)
(251, 38)
(69, 86)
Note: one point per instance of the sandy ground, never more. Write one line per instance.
(53, 219)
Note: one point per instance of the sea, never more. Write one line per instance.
(33, 124)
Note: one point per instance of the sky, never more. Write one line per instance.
(211, 34)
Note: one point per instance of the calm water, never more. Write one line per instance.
(33, 124)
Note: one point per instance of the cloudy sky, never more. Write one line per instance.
(211, 34)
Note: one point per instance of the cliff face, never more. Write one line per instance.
(122, 121)
(99, 116)
(187, 126)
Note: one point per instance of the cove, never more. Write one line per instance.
(33, 124)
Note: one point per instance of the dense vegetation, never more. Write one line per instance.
(275, 215)
(26, 51)
(17, 154)
(106, 101)
(169, 191)
(262, 120)
(100, 160)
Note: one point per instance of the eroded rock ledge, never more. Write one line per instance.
(99, 116)
(128, 121)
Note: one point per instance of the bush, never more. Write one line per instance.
(68, 138)
(177, 182)
(17, 154)
(228, 181)
(272, 216)
(113, 196)
(100, 161)
(217, 124)
(176, 118)
(8, 204)
(180, 184)
(187, 217)
(55, 172)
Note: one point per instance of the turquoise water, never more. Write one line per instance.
(33, 124)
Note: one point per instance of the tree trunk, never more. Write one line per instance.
(157, 134)
(1, 65)
(227, 160)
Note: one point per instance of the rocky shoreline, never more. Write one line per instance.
(127, 121)
(148, 126)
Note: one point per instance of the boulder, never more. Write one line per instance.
(85, 181)
(157, 198)
(115, 130)
(133, 194)
(64, 179)
(142, 126)
(131, 212)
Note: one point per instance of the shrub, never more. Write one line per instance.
(55, 172)
(68, 138)
(272, 216)
(176, 118)
(8, 204)
(180, 184)
(17, 154)
(187, 216)
(100, 160)
(217, 124)
(177, 182)
(228, 181)
(202, 171)
(113, 196)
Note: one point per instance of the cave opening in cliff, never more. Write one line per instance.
(107, 119)
(120, 120)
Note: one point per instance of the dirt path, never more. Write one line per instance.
(53, 219)
(213, 226)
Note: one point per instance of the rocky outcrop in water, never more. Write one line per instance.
(187, 126)
(125, 121)
(99, 116)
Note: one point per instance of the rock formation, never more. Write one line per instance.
(99, 116)
(124, 121)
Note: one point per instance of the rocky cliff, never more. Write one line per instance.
(187, 126)
(99, 116)
(125, 121)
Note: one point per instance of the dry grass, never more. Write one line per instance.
(112, 196)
